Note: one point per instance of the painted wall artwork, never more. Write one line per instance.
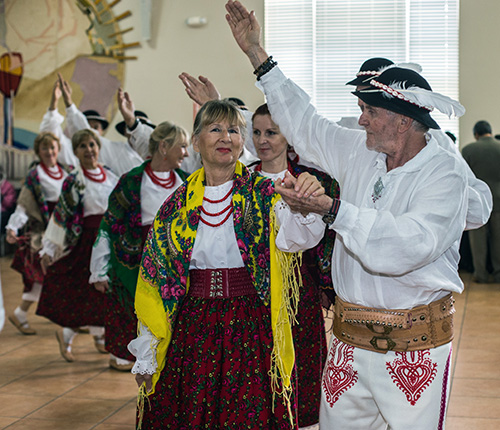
(81, 39)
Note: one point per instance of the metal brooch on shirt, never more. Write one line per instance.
(377, 189)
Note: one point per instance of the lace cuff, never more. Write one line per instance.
(144, 349)
(17, 220)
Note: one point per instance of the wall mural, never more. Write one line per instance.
(81, 39)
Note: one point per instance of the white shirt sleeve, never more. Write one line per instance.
(249, 139)
(143, 348)
(99, 259)
(17, 220)
(75, 120)
(297, 232)
(315, 138)
(139, 139)
(480, 201)
(192, 162)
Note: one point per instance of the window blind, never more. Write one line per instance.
(321, 44)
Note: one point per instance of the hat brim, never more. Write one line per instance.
(121, 126)
(357, 81)
(377, 99)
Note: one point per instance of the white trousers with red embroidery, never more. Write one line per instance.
(366, 390)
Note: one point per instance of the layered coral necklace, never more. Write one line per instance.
(165, 183)
(228, 209)
(57, 175)
(95, 177)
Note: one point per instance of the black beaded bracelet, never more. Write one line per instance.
(265, 67)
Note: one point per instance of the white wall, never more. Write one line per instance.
(479, 65)
(152, 80)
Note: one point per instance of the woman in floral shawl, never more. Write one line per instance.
(215, 298)
(67, 298)
(276, 158)
(35, 204)
(116, 255)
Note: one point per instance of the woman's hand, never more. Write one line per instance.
(45, 262)
(200, 91)
(306, 185)
(11, 237)
(56, 95)
(304, 194)
(126, 106)
(246, 32)
(66, 91)
(144, 379)
(101, 286)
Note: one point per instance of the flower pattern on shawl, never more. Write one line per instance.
(32, 182)
(68, 212)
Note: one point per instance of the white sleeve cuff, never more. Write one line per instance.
(144, 349)
(17, 220)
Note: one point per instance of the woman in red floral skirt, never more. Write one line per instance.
(67, 298)
(215, 296)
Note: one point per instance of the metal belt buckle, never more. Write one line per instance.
(216, 287)
(382, 336)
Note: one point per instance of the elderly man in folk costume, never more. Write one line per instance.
(402, 209)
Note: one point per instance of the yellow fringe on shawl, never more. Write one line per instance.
(284, 300)
(285, 287)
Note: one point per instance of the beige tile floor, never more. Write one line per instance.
(39, 390)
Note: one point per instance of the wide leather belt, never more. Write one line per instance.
(383, 330)
(220, 283)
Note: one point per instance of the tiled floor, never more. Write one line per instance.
(39, 390)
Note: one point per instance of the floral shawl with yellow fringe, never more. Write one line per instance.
(164, 274)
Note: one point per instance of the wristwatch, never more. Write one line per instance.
(329, 217)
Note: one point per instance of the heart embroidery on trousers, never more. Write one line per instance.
(412, 372)
(339, 374)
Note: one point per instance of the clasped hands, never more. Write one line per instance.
(304, 194)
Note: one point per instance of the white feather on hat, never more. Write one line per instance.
(428, 99)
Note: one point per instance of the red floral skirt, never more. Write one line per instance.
(217, 370)
(27, 263)
(120, 322)
(67, 297)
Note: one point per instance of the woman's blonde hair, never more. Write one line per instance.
(217, 110)
(82, 135)
(45, 137)
(170, 133)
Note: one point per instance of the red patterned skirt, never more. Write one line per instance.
(310, 350)
(120, 322)
(27, 263)
(217, 369)
(67, 297)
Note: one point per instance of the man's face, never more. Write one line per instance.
(96, 125)
(380, 126)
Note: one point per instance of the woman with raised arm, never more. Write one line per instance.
(35, 204)
(67, 298)
(116, 255)
(215, 297)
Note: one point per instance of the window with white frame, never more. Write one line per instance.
(321, 44)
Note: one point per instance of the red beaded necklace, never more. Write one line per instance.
(96, 177)
(54, 175)
(228, 208)
(165, 183)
